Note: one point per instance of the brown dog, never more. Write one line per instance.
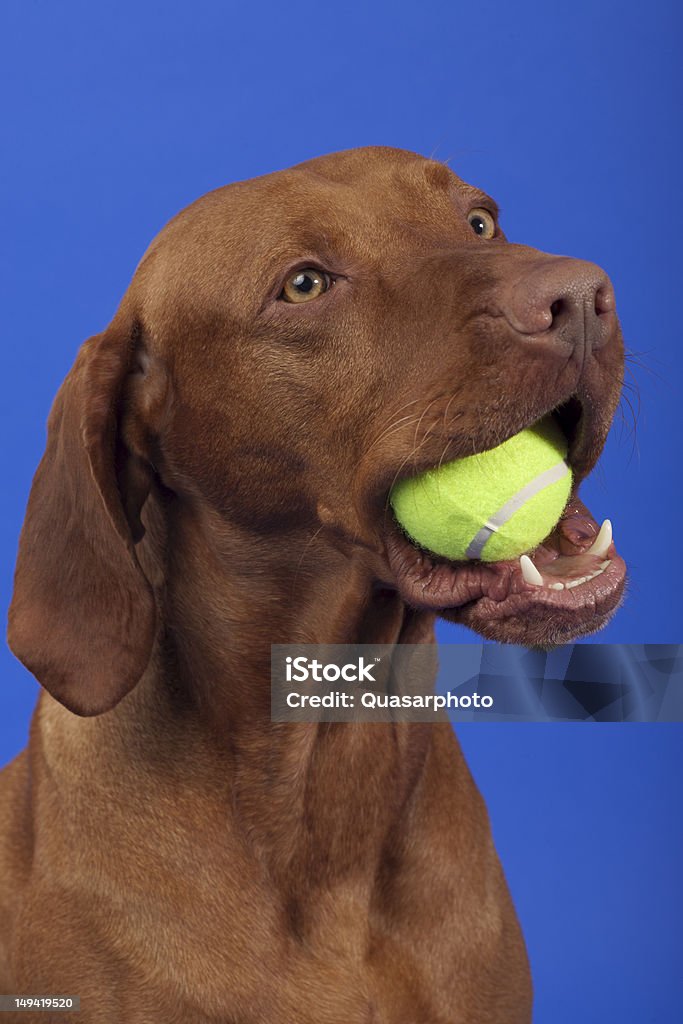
(216, 480)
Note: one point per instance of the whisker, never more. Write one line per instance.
(410, 455)
(424, 413)
(446, 409)
(638, 359)
(303, 555)
(392, 428)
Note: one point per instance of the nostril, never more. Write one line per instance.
(556, 308)
(604, 300)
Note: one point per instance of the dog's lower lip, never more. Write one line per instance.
(496, 591)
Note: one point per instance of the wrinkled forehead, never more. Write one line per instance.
(350, 210)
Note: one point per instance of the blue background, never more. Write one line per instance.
(116, 115)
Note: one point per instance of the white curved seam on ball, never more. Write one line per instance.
(506, 511)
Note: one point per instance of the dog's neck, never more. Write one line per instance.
(225, 598)
(300, 788)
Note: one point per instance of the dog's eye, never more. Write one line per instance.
(482, 223)
(304, 285)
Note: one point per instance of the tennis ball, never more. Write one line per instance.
(494, 505)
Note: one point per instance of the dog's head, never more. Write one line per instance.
(290, 347)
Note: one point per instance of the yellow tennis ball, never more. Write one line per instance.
(491, 506)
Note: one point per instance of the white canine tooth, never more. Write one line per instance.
(557, 586)
(530, 572)
(603, 565)
(602, 541)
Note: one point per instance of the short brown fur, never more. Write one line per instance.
(215, 481)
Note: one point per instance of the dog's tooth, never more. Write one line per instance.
(603, 565)
(575, 583)
(557, 586)
(586, 579)
(602, 541)
(530, 572)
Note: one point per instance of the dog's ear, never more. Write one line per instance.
(82, 617)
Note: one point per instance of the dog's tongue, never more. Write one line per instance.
(572, 555)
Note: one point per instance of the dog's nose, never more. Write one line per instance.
(563, 300)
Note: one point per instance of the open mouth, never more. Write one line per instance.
(568, 586)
